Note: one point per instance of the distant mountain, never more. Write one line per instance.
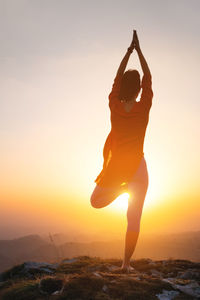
(17, 250)
(162, 246)
(184, 245)
(16, 246)
(6, 262)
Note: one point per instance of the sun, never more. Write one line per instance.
(121, 202)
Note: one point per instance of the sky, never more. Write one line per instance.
(58, 62)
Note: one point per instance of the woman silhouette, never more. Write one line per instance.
(124, 167)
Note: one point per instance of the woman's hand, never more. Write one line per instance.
(136, 41)
(132, 45)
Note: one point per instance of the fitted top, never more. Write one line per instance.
(123, 148)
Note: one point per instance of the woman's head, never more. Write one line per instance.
(130, 85)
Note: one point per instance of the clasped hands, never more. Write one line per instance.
(135, 42)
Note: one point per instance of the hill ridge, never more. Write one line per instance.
(94, 278)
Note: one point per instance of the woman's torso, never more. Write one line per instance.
(128, 129)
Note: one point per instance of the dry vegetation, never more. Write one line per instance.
(93, 278)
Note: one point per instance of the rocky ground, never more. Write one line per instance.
(93, 278)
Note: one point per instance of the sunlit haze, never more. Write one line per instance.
(58, 62)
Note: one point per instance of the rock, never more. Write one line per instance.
(146, 260)
(137, 278)
(33, 264)
(94, 268)
(51, 286)
(105, 288)
(192, 289)
(113, 268)
(57, 293)
(149, 260)
(189, 274)
(29, 270)
(170, 274)
(69, 261)
(167, 295)
(40, 265)
(156, 273)
(182, 281)
(152, 263)
(97, 274)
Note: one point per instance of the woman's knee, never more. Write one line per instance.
(97, 198)
(102, 197)
(94, 201)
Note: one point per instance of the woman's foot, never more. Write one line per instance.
(127, 269)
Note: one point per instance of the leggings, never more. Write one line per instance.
(136, 187)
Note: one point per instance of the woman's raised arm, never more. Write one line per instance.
(147, 93)
(143, 62)
(123, 63)
(120, 72)
(125, 59)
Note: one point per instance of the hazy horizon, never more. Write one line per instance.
(81, 236)
(58, 62)
(58, 247)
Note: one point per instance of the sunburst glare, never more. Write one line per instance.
(121, 202)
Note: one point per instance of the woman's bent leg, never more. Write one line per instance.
(103, 196)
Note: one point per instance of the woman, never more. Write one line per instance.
(124, 167)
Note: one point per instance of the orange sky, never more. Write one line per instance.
(58, 66)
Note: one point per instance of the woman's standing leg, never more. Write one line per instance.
(137, 190)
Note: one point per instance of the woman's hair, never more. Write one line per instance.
(130, 85)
